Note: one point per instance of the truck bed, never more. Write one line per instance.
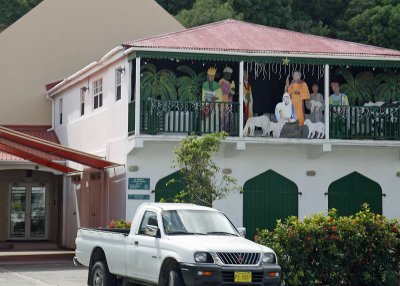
(111, 240)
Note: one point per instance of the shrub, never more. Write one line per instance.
(363, 249)
(119, 224)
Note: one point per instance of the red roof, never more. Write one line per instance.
(38, 150)
(38, 131)
(238, 36)
(52, 84)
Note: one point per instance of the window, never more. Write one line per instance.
(149, 218)
(83, 91)
(60, 110)
(98, 93)
(118, 73)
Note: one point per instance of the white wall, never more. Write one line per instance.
(291, 161)
(100, 130)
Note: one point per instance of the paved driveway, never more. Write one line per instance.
(51, 273)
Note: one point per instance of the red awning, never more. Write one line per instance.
(38, 160)
(54, 149)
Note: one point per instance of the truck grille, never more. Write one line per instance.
(239, 258)
(228, 276)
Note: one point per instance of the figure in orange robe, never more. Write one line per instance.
(299, 92)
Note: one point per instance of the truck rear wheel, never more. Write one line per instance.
(174, 279)
(101, 276)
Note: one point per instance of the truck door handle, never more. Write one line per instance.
(136, 242)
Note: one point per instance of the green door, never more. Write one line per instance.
(169, 192)
(267, 198)
(348, 194)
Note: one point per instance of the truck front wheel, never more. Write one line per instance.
(101, 276)
(174, 279)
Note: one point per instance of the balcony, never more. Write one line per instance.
(185, 117)
(372, 123)
(178, 117)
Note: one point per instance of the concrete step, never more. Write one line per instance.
(28, 245)
(17, 257)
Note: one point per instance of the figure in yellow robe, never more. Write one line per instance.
(299, 92)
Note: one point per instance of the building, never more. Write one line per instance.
(113, 106)
(70, 33)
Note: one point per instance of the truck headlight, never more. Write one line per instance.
(203, 257)
(268, 258)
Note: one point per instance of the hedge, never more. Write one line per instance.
(363, 249)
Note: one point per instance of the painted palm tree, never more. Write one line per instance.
(359, 88)
(189, 85)
(157, 83)
(389, 86)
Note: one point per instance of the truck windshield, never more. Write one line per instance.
(184, 222)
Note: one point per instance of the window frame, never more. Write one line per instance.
(82, 100)
(118, 84)
(97, 93)
(60, 111)
(141, 231)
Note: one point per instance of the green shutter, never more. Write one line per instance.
(267, 198)
(169, 192)
(350, 192)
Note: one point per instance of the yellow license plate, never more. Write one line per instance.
(242, 277)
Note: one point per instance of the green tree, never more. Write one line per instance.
(207, 11)
(376, 25)
(202, 177)
(276, 13)
(174, 7)
(316, 16)
(11, 11)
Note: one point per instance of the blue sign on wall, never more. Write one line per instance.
(138, 197)
(139, 184)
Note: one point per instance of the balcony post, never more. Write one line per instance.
(326, 95)
(241, 65)
(137, 97)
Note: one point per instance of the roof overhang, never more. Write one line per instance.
(24, 140)
(36, 159)
(265, 57)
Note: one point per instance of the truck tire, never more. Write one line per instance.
(101, 276)
(174, 278)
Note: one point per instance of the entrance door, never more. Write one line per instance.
(28, 213)
(166, 190)
(348, 194)
(267, 198)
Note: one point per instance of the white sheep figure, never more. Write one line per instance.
(317, 127)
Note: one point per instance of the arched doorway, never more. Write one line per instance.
(267, 198)
(168, 192)
(348, 194)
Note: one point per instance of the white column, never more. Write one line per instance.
(326, 94)
(241, 99)
(137, 97)
(74, 191)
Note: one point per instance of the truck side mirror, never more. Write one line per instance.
(242, 231)
(152, 230)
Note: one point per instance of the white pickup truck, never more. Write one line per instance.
(175, 245)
